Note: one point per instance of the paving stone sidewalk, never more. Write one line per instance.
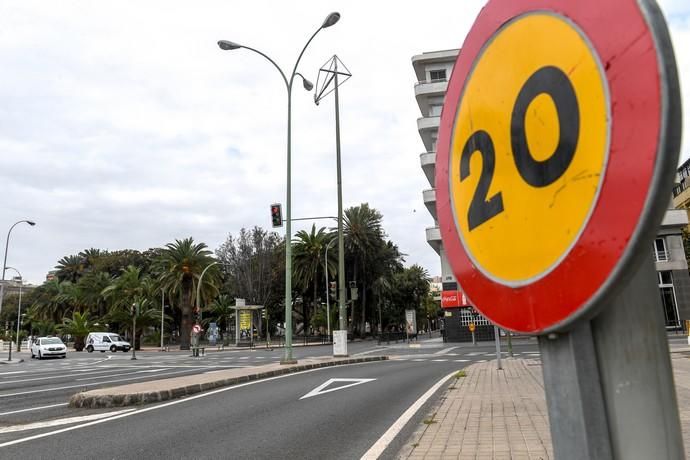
(503, 415)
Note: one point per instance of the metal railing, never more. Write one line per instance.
(437, 80)
(661, 256)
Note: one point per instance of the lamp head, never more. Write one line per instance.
(331, 19)
(307, 84)
(228, 45)
(31, 222)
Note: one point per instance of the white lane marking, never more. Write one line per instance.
(370, 351)
(445, 350)
(481, 361)
(320, 389)
(439, 360)
(55, 377)
(462, 360)
(243, 357)
(32, 409)
(60, 421)
(147, 371)
(14, 372)
(379, 446)
(161, 406)
(83, 385)
(418, 360)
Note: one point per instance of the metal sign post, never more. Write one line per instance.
(581, 179)
(497, 336)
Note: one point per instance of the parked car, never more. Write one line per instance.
(43, 347)
(104, 341)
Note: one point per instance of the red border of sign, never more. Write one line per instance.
(627, 51)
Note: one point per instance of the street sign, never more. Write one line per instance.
(472, 327)
(196, 329)
(552, 170)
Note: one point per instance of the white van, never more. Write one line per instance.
(104, 341)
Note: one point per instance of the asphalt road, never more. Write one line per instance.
(263, 419)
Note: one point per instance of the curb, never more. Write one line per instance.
(14, 361)
(86, 400)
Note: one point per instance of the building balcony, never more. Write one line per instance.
(428, 126)
(428, 162)
(428, 88)
(430, 201)
(675, 218)
(433, 237)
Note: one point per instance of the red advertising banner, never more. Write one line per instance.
(453, 299)
(449, 299)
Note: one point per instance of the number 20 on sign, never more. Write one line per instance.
(525, 173)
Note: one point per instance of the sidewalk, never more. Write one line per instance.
(503, 415)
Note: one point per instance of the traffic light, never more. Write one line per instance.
(332, 288)
(276, 215)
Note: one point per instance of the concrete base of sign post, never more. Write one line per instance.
(340, 344)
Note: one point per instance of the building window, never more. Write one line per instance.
(660, 252)
(668, 299)
(434, 139)
(435, 110)
(437, 75)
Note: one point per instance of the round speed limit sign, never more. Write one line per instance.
(549, 170)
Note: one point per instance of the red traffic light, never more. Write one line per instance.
(276, 215)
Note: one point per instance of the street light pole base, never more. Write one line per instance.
(288, 361)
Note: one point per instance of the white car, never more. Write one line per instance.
(106, 341)
(43, 347)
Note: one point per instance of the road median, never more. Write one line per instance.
(179, 387)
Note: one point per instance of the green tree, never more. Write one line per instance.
(179, 267)
(70, 268)
(78, 326)
(253, 263)
(307, 266)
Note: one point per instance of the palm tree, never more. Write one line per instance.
(218, 311)
(308, 249)
(179, 267)
(363, 233)
(70, 268)
(77, 326)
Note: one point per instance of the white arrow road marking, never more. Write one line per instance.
(320, 389)
(60, 421)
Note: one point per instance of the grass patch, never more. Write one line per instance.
(429, 421)
(460, 374)
(416, 444)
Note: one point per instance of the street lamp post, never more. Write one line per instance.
(19, 310)
(162, 315)
(198, 286)
(325, 270)
(330, 20)
(4, 263)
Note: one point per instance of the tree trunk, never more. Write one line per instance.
(186, 310)
(316, 306)
(364, 309)
(353, 327)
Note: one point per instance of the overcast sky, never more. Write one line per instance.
(122, 125)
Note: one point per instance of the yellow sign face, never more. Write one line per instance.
(529, 147)
(245, 319)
